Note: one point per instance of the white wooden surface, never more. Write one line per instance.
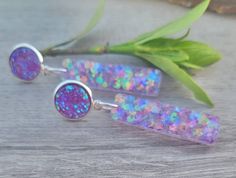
(36, 142)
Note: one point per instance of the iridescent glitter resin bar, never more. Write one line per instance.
(114, 77)
(74, 100)
(166, 119)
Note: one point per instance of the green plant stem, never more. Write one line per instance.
(106, 49)
(62, 52)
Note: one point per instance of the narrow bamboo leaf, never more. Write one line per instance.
(162, 43)
(94, 20)
(191, 66)
(200, 54)
(165, 47)
(175, 26)
(177, 73)
(172, 54)
(91, 24)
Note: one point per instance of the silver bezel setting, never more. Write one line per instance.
(77, 83)
(39, 55)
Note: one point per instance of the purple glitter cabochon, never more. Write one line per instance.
(25, 63)
(72, 101)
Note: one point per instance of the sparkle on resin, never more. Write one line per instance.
(114, 77)
(166, 119)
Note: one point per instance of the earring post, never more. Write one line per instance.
(47, 70)
(99, 105)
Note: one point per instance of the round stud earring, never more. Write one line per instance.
(74, 100)
(26, 63)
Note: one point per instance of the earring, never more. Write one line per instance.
(114, 77)
(74, 100)
(26, 63)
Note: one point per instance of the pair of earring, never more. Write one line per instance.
(73, 99)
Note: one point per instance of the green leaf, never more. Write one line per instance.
(94, 20)
(174, 55)
(165, 47)
(200, 54)
(177, 73)
(189, 65)
(91, 24)
(175, 26)
(162, 47)
(162, 43)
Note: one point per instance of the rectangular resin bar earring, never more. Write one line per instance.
(26, 63)
(74, 100)
(114, 77)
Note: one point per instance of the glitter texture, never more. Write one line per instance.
(72, 101)
(166, 119)
(25, 63)
(111, 77)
